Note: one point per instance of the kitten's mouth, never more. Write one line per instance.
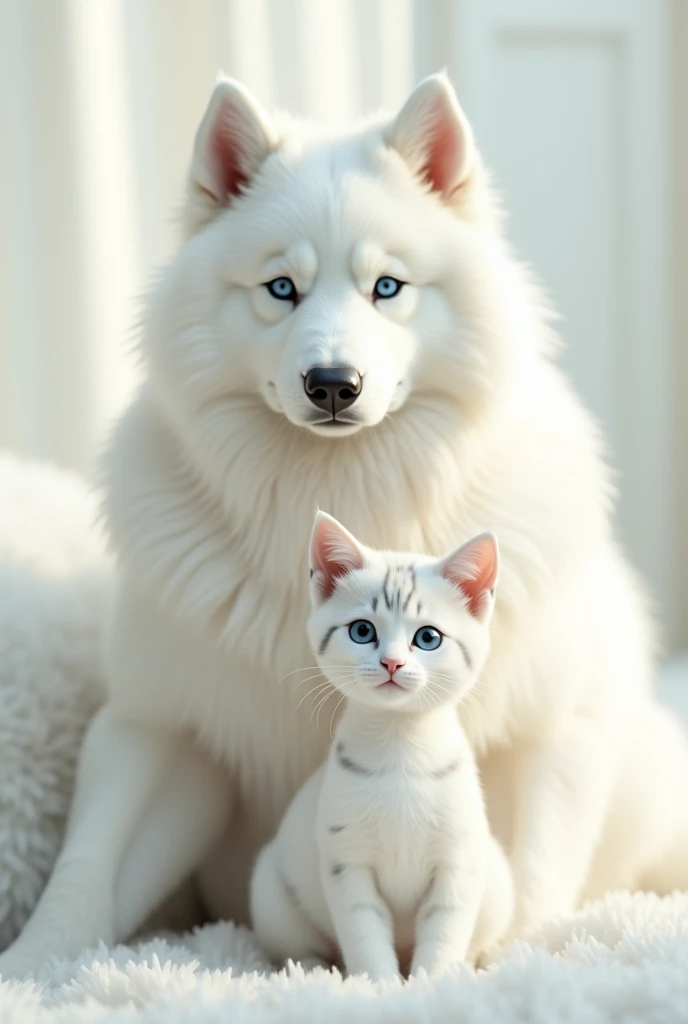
(390, 684)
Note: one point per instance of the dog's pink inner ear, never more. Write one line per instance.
(473, 569)
(234, 138)
(334, 553)
(432, 134)
(224, 158)
(443, 156)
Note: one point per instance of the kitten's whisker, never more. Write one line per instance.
(322, 700)
(343, 696)
(309, 679)
(470, 697)
(295, 671)
(342, 684)
(318, 702)
(309, 668)
(482, 687)
(325, 683)
(325, 675)
(463, 704)
(435, 698)
(436, 685)
(314, 690)
(437, 675)
(320, 707)
(440, 686)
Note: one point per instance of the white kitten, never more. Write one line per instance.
(384, 856)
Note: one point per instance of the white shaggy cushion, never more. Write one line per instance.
(54, 581)
(624, 959)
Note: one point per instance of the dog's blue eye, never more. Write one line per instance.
(362, 632)
(387, 288)
(428, 638)
(283, 288)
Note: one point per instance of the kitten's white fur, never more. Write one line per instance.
(385, 853)
(212, 479)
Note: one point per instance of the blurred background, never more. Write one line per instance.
(579, 108)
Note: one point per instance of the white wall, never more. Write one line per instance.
(574, 105)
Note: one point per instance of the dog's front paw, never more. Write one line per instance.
(16, 965)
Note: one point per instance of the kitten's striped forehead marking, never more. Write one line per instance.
(399, 588)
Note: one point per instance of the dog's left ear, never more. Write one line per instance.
(432, 134)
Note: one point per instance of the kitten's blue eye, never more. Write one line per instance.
(428, 638)
(283, 288)
(387, 287)
(362, 632)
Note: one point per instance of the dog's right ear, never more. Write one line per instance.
(233, 139)
(432, 134)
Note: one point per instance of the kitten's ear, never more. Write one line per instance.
(334, 552)
(473, 569)
(432, 134)
(233, 139)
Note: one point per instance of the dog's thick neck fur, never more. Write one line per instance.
(222, 541)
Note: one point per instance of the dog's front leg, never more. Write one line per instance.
(121, 766)
(180, 827)
(562, 794)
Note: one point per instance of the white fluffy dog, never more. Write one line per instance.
(344, 326)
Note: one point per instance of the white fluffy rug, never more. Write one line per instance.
(623, 960)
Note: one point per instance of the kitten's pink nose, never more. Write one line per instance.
(391, 664)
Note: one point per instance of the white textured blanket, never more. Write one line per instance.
(624, 959)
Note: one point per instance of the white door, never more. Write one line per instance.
(571, 105)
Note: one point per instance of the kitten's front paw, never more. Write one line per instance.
(312, 963)
(437, 968)
(383, 972)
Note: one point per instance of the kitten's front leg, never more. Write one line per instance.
(447, 917)
(361, 919)
(279, 918)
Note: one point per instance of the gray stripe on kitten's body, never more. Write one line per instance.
(349, 765)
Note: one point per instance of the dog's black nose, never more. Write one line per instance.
(333, 388)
